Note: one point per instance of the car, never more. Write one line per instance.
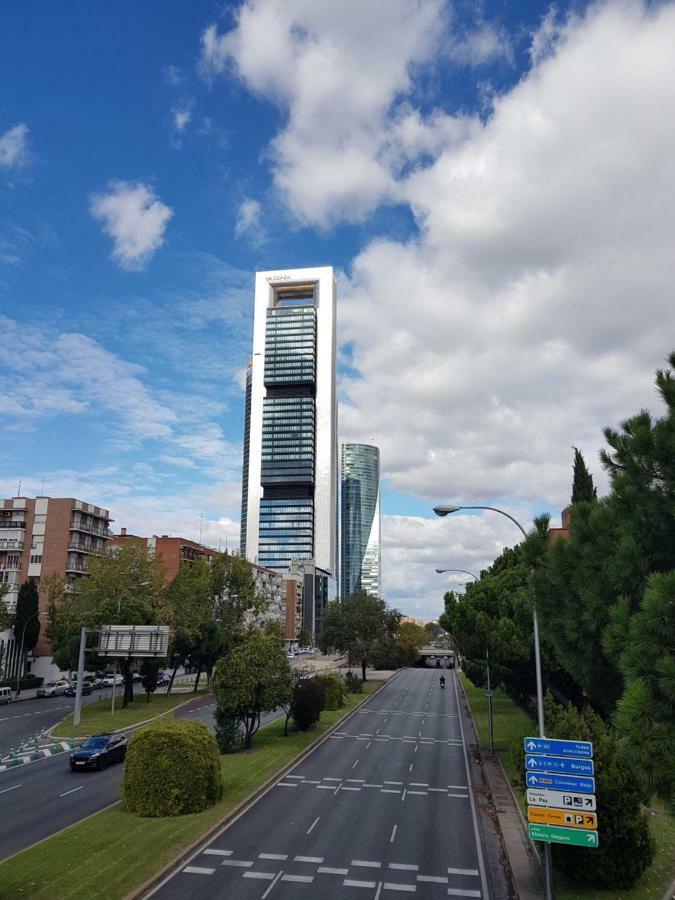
(110, 680)
(99, 751)
(87, 688)
(97, 683)
(53, 688)
(162, 679)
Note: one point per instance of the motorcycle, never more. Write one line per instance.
(442, 682)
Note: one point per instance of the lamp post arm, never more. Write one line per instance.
(501, 511)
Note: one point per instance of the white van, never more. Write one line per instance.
(5, 695)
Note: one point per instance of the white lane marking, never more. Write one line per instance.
(458, 796)
(313, 825)
(346, 787)
(198, 870)
(329, 870)
(296, 777)
(65, 793)
(457, 892)
(308, 859)
(393, 886)
(304, 879)
(276, 878)
(324, 787)
(418, 793)
(356, 780)
(368, 744)
(462, 871)
(239, 863)
(410, 767)
(11, 789)
(404, 867)
(378, 891)
(332, 779)
(287, 784)
(415, 748)
(310, 781)
(390, 791)
(350, 882)
(393, 782)
(356, 762)
(213, 852)
(458, 787)
(419, 784)
(366, 863)
(405, 791)
(280, 856)
(373, 785)
(393, 834)
(434, 879)
(267, 876)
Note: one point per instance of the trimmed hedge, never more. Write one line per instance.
(307, 704)
(27, 682)
(172, 768)
(353, 683)
(334, 690)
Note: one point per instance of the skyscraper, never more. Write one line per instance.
(360, 520)
(289, 489)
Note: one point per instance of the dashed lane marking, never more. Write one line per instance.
(238, 863)
(308, 859)
(303, 879)
(198, 870)
(313, 825)
(279, 856)
(351, 882)
(213, 852)
(458, 892)
(13, 788)
(366, 863)
(434, 879)
(463, 872)
(72, 791)
(330, 870)
(267, 876)
(404, 867)
(394, 886)
(393, 834)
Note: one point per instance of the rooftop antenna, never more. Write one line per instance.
(201, 526)
(18, 489)
(43, 485)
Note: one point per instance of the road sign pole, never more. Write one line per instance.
(489, 700)
(548, 858)
(80, 676)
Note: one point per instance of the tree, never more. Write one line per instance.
(27, 619)
(210, 643)
(355, 626)
(583, 490)
(4, 612)
(298, 674)
(124, 586)
(233, 589)
(308, 703)
(253, 678)
(304, 637)
(433, 630)
(410, 638)
(149, 670)
(645, 716)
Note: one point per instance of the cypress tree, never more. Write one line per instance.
(583, 490)
(27, 608)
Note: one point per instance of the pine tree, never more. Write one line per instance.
(583, 490)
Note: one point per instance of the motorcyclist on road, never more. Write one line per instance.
(442, 681)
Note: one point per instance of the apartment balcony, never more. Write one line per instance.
(83, 548)
(77, 566)
(11, 544)
(90, 529)
(4, 524)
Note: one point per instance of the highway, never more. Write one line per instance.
(380, 808)
(43, 797)
(20, 720)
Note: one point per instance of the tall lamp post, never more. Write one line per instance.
(487, 667)
(447, 510)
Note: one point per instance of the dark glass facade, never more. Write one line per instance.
(360, 520)
(286, 529)
(244, 474)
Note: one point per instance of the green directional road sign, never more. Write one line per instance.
(556, 835)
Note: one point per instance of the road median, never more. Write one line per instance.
(115, 854)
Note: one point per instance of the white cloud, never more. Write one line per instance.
(181, 119)
(14, 147)
(350, 62)
(135, 218)
(484, 44)
(249, 222)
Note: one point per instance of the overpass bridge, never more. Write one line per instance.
(437, 658)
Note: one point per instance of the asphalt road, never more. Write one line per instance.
(18, 721)
(380, 808)
(43, 797)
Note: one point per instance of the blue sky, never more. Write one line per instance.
(473, 173)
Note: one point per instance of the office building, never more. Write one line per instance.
(289, 490)
(360, 520)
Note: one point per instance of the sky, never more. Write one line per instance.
(493, 183)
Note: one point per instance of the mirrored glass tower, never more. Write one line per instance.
(289, 488)
(360, 520)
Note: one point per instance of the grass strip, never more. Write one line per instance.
(95, 717)
(511, 725)
(113, 852)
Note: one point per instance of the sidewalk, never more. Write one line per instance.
(525, 864)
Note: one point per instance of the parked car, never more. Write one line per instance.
(97, 682)
(71, 690)
(53, 688)
(163, 679)
(99, 751)
(5, 695)
(110, 680)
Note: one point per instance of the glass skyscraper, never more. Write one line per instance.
(360, 520)
(289, 486)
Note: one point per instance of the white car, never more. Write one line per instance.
(110, 680)
(53, 688)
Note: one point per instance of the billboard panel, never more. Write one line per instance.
(133, 640)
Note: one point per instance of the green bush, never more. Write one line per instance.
(228, 730)
(172, 768)
(27, 682)
(334, 694)
(308, 701)
(353, 684)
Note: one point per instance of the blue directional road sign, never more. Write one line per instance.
(561, 764)
(578, 749)
(554, 782)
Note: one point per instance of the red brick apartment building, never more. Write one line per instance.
(44, 536)
(172, 550)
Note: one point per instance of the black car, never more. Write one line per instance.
(99, 751)
(87, 688)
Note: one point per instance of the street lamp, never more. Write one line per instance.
(447, 510)
(487, 665)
